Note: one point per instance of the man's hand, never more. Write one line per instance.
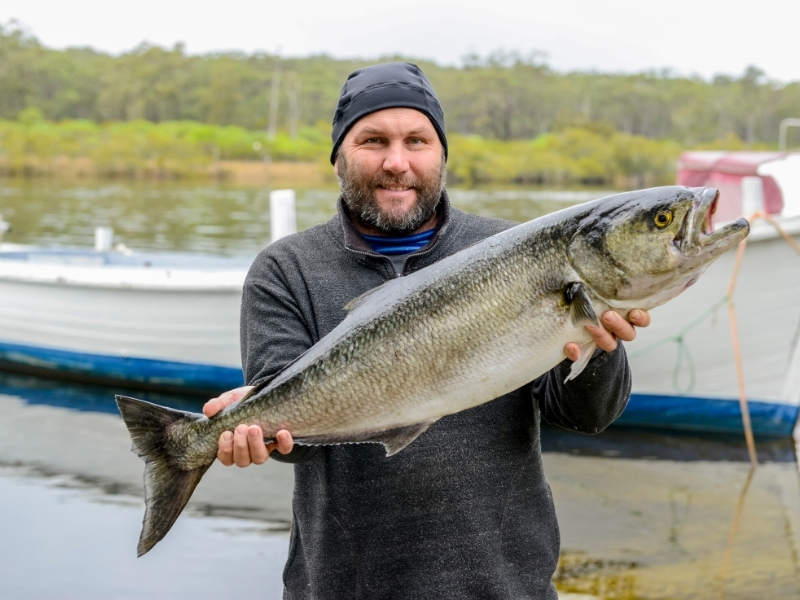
(614, 326)
(245, 446)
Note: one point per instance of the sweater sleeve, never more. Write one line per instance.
(273, 333)
(590, 402)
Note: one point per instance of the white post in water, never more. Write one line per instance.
(103, 237)
(4, 228)
(283, 220)
(752, 195)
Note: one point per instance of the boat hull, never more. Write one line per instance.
(157, 328)
(141, 373)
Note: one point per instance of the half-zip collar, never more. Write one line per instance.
(354, 242)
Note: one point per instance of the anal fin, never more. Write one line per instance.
(394, 440)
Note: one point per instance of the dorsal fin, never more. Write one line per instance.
(359, 300)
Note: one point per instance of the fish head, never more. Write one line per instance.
(640, 249)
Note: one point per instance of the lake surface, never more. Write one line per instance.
(643, 515)
(212, 219)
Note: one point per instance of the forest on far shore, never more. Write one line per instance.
(509, 117)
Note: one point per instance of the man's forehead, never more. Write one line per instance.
(408, 119)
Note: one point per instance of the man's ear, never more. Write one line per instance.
(336, 167)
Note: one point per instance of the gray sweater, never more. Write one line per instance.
(464, 511)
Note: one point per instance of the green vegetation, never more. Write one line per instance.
(510, 117)
(32, 145)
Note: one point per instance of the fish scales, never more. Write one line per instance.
(419, 367)
(456, 334)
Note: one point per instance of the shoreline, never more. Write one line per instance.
(284, 173)
(244, 172)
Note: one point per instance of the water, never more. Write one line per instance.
(64, 540)
(213, 219)
(643, 515)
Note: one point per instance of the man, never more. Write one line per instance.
(464, 511)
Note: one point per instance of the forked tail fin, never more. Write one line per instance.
(167, 488)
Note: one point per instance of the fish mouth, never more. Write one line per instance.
(697, 235)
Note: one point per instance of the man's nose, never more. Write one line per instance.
(396, 159)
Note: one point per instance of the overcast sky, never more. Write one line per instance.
(703, 37)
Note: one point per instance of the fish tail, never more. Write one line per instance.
(167, 488)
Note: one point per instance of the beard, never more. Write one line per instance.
(358, 193)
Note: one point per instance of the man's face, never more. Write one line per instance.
(391, 169)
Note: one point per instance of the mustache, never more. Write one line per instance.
(383, 181)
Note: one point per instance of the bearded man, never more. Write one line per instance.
(464, 511)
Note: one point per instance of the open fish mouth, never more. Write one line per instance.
(697, 234)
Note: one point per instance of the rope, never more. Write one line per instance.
(737, 519)
(683, 349)
(737, 355)
(683, 352)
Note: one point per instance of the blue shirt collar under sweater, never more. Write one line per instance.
(393, 246)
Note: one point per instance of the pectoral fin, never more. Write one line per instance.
(580, 305)
(587, 351)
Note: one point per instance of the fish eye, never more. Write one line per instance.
(663, 218)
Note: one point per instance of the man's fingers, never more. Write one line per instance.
(225, 450)
(245, 446)
(241, 447)
(603, 338)
(255, 441)
(640, 318)
(618, 326)
(573, 351)
(285, 443)
(614, 326)
(212, 407)
(215, 405)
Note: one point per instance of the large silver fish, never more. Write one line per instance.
(454, 335)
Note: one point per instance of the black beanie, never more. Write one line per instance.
(390, 85)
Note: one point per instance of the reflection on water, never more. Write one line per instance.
(211, 219)
(653, 444)
(84, 396)
(643, 515)
(62, 542)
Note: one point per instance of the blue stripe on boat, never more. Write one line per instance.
(146, 371)
(707, 414)
(644, 410)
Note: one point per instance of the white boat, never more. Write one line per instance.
(169, 321)
(165, 321)
(684, 369)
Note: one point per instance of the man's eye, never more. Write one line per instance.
(416, 141)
